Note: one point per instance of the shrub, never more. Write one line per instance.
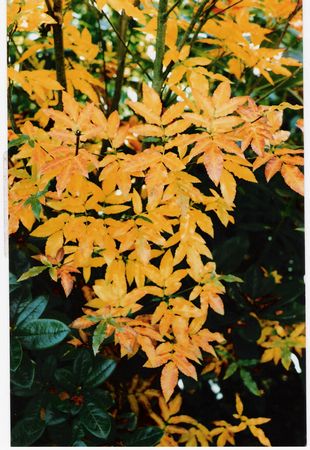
(156, 219)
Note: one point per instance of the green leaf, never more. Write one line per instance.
(18, 141)
(249, 382)
(127, 421)
(36, 207)
(95, 420)
(42, 333)
(31, 309)
(101, 370)
(251, 330)
(145, 437)
(24, 375)
(79, 444)
(100, 398)
(16, 354)
(33, 272)
(248, 362)
(99, 336)
(231, 369)
(231, 279)
(82, 366)
(147, 219)
(230, 254)
(27, 431)
(64, 379)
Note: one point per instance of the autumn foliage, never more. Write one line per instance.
(138, 131)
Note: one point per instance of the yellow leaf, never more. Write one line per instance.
(144, 111)
(115, 209)
(54, 243)
(240, 171)
(169, 379)
(228, 186)
(147, 130)
(166, 265)
(71, 106)
(113, 124)
(136, 202)
(175, 405)
(239, 405)
(51, 226)
(177, 127)
(221, 95)
(267, 355)
(173, 112)
(258, 432)
(151, 99)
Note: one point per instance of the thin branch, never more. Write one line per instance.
(225, 9)
(276, 86)
(201, 24)
(56, 14)
(189, 30)
(192, 24)
(290, 17)
(27, 62)
(160, 45)
(121, 56)
(10, 110)
(126, 46)
(172, 7)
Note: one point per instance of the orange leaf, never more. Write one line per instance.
(67, 282)
(272, 167)
(293, 177)
(228, 186)
(185, 366)
(169, 379)
(213, 162)
(81, 323)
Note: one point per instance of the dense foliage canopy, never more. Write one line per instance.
(156, 222)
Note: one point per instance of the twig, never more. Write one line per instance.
(160, 45)
(276, 86)
(121, 56)
(191, 26)
(172, 7)
(201, 24)
(225, 9)
(126, 46)
(10, 110)
(293, 13)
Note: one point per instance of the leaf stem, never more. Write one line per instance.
(77, 142)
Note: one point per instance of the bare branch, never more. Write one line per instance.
(160, 44)
(56, 14)
(121, 56)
